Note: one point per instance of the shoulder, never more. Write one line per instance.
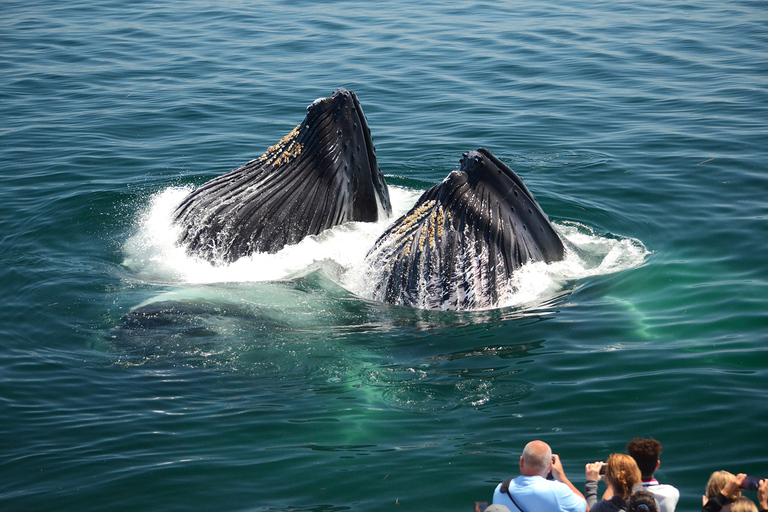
(497, 491)
(664, 491)
(568, 500)
(668, 489)
(558, 487)
(615, 504)
(500, 498)
(540, 484)
(716, 503)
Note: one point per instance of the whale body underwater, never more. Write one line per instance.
(456, 249)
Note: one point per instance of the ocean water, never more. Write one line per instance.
(133, 377)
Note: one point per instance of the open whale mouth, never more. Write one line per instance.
(320, 175)
(483, 163)
(370, 149)
(342, 112)
(376, 177)
(458, 247)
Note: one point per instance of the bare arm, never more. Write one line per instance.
(733, 487)
(762, 494)
(559, 474)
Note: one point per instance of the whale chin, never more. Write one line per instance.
(457, 248)
(322, 174)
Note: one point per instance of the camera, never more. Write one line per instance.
(750, 483)
(603, 468)
(550, 476)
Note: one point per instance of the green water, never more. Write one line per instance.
(132, 378)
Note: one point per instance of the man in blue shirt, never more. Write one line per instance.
(532, 492)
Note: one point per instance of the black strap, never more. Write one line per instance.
(505, 488)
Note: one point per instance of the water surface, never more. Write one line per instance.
(132, 378)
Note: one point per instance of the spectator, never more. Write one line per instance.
(642, 501)
(741, 505)
(532, 492)
(621, 477)
(724, 489)
(646, 453)
(720, 491)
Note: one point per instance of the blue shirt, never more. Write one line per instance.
(537, 494)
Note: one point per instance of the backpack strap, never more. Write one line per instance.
(505, 489)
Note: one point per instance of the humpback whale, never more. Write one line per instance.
(323, 173)
(458, 246)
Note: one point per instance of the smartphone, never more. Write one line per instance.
(750, 483)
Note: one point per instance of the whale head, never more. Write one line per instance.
(322, 174)
(459, 245)
(340, 119)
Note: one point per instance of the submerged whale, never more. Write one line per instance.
(320, 175)
(458, 246)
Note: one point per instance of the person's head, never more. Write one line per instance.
(622, 474)
(741, 505)
(717, 481)
(642, 501)
(536, 459)
(646, 453)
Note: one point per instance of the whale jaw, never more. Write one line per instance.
(457, 248)
(322, 174)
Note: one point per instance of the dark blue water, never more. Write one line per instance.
(274, 384)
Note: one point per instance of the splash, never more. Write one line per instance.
(596, 255)
(152, 253)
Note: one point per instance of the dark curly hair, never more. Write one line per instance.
(641, 501)
(646, 453)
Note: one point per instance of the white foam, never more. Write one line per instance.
(152, 253)
(600, 255)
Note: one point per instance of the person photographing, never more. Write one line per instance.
(532, 491)
(621, 477)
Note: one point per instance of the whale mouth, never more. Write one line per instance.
(477, 161)
(323, 173)
(354, 135)
(459, 246)
(370, 149)
(376, 177)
